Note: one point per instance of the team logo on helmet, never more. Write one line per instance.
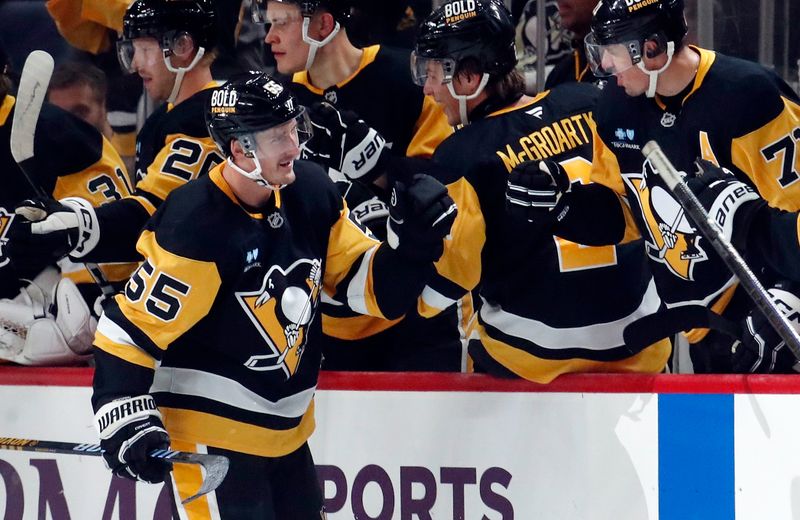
(282, 310)
(673, 240)
(224, 101)
(459, 10)
(5, 222)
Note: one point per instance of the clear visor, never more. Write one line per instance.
(611, 59)
(437, 70)
(282, 141)
(144, 51)
(125, 55)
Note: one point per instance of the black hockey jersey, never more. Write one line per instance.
(736, 114)
(573, 68)
(382, 93)
(172, 148)
(226, 302)
(71, 158)
(548, 306)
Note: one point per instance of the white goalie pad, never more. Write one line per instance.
(48, 323)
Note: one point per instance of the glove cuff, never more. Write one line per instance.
(736, 196)
(88, 226)
(113, 416)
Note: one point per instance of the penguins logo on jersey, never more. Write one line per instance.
(673, 240)
(282, 309)
(5, 222)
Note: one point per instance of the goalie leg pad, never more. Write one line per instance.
(73, 317)
(31, 335)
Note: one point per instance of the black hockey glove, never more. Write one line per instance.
(761, 350)
(535, 192)
(130, 428)
(421, 214)
(729, 202)
(345, 143)
(54, 227)
(365, 206)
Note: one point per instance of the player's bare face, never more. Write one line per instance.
(576, 15)
(80, 100)
(148, 61)
(633, 80)
(278, 147)
(437, 89)
(285, 37)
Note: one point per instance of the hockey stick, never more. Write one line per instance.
(216, 466)
(723, 247)
(32, 90)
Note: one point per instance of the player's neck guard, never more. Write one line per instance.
(314, 45)
(653, 74)
(180, 72)
(463, 98)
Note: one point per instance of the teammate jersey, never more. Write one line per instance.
(548, 306)
(382, 93)
(226, 302)
(172, 148)
(71, 158)
(735, 114)
(573, 68)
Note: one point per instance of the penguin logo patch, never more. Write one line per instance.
(673, 239)
(282, 310)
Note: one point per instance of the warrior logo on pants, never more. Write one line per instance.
(281, 309)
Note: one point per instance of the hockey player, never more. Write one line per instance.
(310, 42)
(576, 17)
(170, 44)
(44, 319)
(216, 337)
(536, 319)
(697, 104)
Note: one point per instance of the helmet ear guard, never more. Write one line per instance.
(181, 45)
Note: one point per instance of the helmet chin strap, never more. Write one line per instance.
(463, 98)
(314, 45)
(653, 74)
(180, 71)
(254, 174)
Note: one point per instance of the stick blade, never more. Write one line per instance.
(30, 95)
(215, 466)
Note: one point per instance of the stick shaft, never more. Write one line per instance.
(216, 466)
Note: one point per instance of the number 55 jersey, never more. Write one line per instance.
(220, 323)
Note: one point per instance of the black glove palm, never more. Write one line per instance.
(421, 215)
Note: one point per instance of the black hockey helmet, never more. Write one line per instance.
(166, 21)
(615, 21)
(340, 9)
(460, 29)
(250, 103)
